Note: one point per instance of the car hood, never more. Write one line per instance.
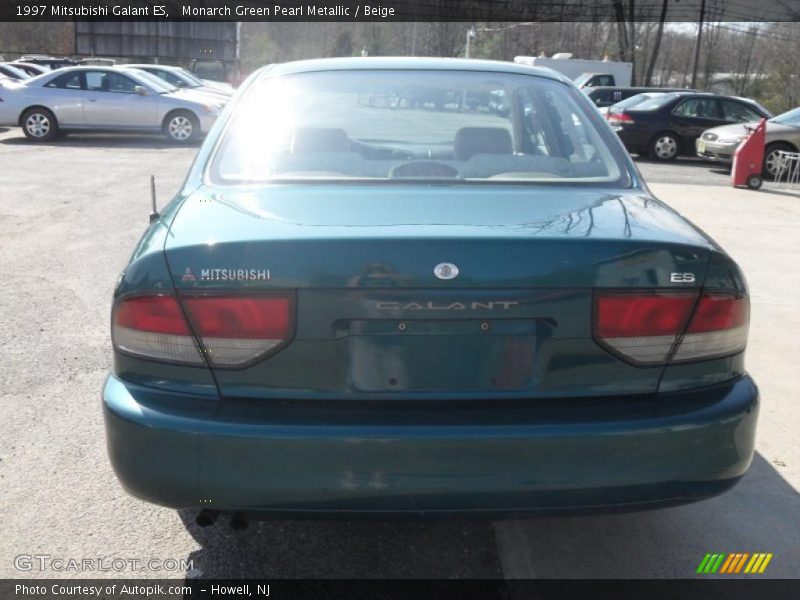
(196, 97)
(215, 91)
(740, 129)
(218, 85)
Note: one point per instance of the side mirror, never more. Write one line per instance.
(140, 90)
(181, 83)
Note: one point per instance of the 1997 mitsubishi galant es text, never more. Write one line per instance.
(376, 295)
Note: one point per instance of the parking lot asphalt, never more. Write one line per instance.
(71, 213)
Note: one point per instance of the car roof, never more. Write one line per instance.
(148, 66)
(406, 63)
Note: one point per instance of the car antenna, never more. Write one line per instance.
(154, 208)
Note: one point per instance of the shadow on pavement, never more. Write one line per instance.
(99, 140)
(760, 514)
(344, 549)
(686, 161)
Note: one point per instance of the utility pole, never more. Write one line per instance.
(470, 34)
(697, 44)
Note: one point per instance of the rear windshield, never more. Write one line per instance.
(636, 100)
(389, 125)
(656, 102)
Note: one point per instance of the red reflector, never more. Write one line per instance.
(239, 317)
(642, 314)
(717, 312)
(158, 314)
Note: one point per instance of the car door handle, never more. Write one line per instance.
(92, 99)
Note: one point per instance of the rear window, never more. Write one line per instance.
(390, 125)
(637, 100)
(656, 103)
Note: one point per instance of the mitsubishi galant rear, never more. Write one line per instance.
(422, 286)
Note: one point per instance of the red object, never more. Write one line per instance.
(749, 158)
(239, 317)
(156, 314)
(618, 118)
(640, 314)
(716, 312)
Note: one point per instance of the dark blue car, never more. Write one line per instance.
(667, 126)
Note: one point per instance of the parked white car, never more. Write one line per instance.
(181, 78)
(104, 99)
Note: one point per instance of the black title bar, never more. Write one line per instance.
(398, 10)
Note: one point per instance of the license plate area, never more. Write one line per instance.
(469, 355)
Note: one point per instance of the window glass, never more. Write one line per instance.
(67, 81)
(424, 125)
(738, 112)
(703, 108)
(791, 117)
(108, 81)
(636, 100)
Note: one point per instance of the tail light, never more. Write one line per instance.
(651, 328)
(236, 330)
(231, 331)
(620, 118)
(718, 327)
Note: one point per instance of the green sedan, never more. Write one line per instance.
(376, 294)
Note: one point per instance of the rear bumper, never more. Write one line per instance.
(522, 466)
(634, 138)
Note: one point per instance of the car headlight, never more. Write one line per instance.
(731, 140)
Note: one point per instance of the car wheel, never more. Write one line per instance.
(181, 127)
(754, 182)
(771, 161)
(39, 124)
(664, 146)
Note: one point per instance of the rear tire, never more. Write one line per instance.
(664, 146)
(39, 124)
(769, 169)
(181, 127)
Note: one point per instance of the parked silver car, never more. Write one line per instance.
(184, 79)
(104, 99)
(13, 72)
(783, 133)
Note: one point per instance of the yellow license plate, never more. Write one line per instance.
(701, 146)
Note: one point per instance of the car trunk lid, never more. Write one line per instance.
(372, 319)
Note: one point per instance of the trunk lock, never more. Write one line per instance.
(401, 327)
(485, 326)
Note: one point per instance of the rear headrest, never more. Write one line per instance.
(320, 139)
(481, 140)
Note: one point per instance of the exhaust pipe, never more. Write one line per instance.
(239, 522)
(207, 517)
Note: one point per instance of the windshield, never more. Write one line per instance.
(416, 125)
(791, 118)
(189, 76)
(15, 71)
(160, 86)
